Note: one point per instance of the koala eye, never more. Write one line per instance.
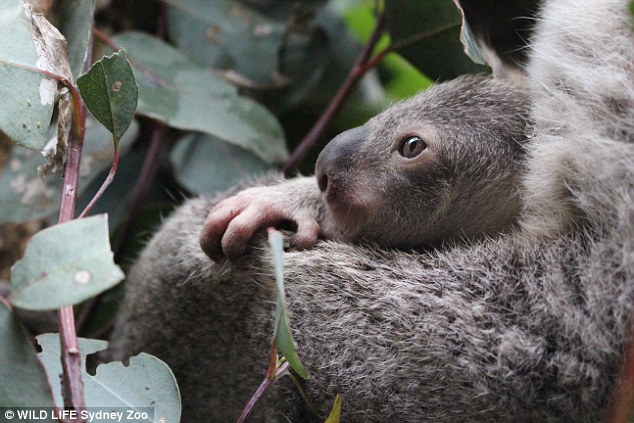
(412, 147)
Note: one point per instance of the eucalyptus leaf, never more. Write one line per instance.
(504, 27)
(281, 9)
(228, 35)
(184, 95)
(468, 39)
(146, 382)
(283, 337)
(110, 92)
(438, 53)
(335, 412)
(205, 165)
(23, 381)
(28, 42)
(75, 22)
(272, 60)
(65, 264)
(25, 196)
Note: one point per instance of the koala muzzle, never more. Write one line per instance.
(339, 156)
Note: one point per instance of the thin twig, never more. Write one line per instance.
(73, 385)
(246, 411)
(106, 182)
(405, 43)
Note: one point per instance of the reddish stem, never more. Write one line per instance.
(71, 360)
(357, 71)
(106, 182)
(104, 38)
(260, 391)
(73, 385)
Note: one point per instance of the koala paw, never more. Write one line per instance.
(233, 222)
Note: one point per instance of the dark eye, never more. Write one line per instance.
(412, 147)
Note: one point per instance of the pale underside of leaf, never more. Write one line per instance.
(65, 264)
(28, 42)
(283, 336)
(146, 382)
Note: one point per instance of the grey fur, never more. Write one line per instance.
(462, 186)
(526, 327)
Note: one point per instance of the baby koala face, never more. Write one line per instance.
(442, 166)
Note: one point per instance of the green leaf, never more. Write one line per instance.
(25, 196)
(65, 264)
(227, 35)
(28, 42)
(335, 412)
(440, 54)
(205, 165)
(110, 92)
(272, 60)
(468, 40)
(145, 382)
(23, 381)
(283, 337)
(75, 22)
(186, 96)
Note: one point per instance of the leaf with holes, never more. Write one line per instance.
(110, 92)
(65, 264)
(283, 336)
(146, 383)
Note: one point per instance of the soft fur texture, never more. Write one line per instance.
(463, 185)
(527, 327)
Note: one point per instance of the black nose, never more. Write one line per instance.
(339, 156)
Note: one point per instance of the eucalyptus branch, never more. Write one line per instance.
(71, 360)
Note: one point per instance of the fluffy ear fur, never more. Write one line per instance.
(523, 328)
(581, 75)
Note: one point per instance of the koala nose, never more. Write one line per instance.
(338, 156)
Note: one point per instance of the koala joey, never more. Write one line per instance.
(529, 326)
(442, 166)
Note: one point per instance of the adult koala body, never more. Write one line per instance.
(530, 326)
